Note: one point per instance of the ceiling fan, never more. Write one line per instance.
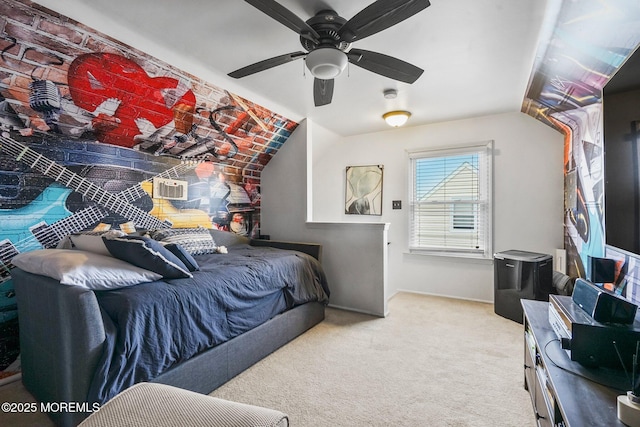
(327, 39)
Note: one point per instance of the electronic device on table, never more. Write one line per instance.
(596, 327)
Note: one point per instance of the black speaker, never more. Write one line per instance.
(602, 270)
(602, 305)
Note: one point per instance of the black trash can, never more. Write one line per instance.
(517, 275)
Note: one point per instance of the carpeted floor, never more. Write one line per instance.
(432, 362)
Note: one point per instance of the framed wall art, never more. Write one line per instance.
(363, 190)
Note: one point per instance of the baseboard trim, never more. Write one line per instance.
(355, 310)
(441, 295)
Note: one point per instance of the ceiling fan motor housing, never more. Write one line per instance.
(326, 23)
(326, 58)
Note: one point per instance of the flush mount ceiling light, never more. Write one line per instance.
(326, 63)
(396, 118)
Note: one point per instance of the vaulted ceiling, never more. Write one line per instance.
(477, 55)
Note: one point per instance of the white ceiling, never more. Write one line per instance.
(477, 54)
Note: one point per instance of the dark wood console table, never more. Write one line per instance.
(561, 398)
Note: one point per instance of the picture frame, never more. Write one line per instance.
(363, 192)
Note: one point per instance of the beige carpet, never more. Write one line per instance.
(432, 362)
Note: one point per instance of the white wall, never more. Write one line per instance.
(354, 256)
(303, 199)
(528, 194)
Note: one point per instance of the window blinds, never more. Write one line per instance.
(450, 201)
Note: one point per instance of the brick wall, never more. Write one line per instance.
(39, 44)
(114, 116)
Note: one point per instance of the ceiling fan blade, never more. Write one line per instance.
(266, 64)
(322, 92)
(384, 65)
(379, 16)
(285, 17)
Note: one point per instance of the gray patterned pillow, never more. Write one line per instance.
(196, 241)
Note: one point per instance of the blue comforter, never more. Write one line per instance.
(152, 326)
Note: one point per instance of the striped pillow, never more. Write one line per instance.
(196, 241)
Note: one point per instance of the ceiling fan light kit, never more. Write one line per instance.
(326, 63)
(327, 37)
(396, 118)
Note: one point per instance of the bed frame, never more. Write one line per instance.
(62, 335)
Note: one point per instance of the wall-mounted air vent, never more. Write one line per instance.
(169, 189)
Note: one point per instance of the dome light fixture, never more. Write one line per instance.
(326, 63)
(396, 118)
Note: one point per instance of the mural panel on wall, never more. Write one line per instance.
(585, 43)
(98, 135)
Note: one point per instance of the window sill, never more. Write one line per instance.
(480, 259)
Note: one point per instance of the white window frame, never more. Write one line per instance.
(483, 206)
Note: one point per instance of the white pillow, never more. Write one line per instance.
(92, 241)
(82, 268)
(86, 242)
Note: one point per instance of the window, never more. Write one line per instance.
(464, 217)
(450, 201)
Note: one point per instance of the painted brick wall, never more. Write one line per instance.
(38, 46)
(94, 108)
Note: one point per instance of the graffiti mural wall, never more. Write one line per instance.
(98, 135)
(583, 44)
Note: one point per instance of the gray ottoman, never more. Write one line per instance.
(155, 405)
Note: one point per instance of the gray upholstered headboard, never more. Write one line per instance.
(61, 339)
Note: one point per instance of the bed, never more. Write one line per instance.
(195, 332)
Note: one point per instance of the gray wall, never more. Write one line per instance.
(354, 256)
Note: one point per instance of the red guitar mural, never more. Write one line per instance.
(96, 78)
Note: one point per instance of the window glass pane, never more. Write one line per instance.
(450, 201)
(443, 178)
